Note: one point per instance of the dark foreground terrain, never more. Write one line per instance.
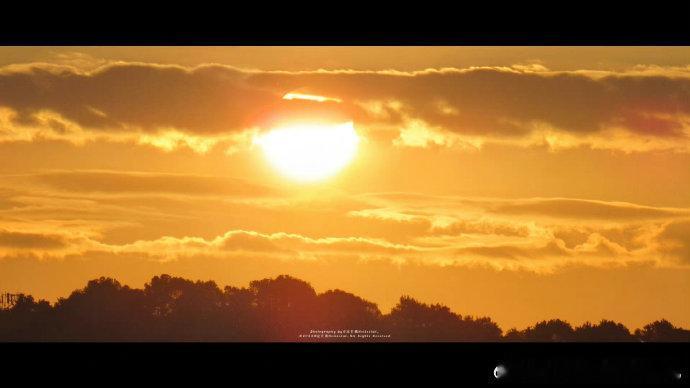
(280, 309)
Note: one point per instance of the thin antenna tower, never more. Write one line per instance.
(7, 300)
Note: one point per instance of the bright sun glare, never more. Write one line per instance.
(310, 152)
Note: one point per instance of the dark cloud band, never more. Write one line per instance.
(485, 101)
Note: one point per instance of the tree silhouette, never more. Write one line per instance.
(514, 335)
(286, 307)
(239, 315)
(414, 321)
(553, 330)
(104, 310)
(662, 331)
(186, 309)
(279, 309)
(27, 320)
(342, 310)
(605, 331)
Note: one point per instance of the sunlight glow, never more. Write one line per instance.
(310, 152)
(310, 97)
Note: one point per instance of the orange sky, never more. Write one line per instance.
(519, 183)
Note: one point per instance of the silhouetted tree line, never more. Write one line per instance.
(280, 309)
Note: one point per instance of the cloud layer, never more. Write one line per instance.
(77, 212)
(640, 109)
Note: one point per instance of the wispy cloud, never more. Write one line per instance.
(156, 216)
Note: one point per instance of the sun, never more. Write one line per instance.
(310, 152)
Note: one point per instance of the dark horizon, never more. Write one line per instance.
(281, 309)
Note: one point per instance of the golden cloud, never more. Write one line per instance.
(139, 182)
(587, 209)
(167, 216)
(634, 110)
(23, 240)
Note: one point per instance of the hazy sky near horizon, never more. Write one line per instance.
(520, 183)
